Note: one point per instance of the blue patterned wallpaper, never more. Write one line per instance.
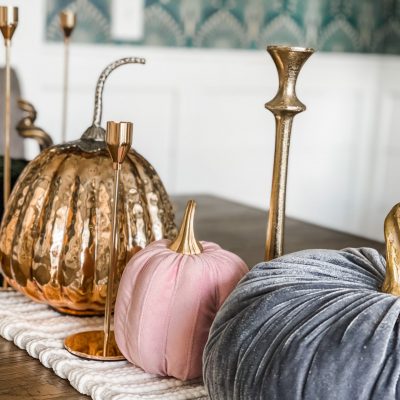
(368, 26)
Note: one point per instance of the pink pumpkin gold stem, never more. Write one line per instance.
(186, 242)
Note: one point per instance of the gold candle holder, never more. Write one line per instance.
(285, 105)
(101, 345)
(67, 24)
(8, 25)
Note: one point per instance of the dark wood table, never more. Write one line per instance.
(235, 227)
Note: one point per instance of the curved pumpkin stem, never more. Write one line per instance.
(186, 242)
(391, 284)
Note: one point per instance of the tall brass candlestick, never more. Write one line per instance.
(67, 23)
(119, 141)
(8, 24)
(101, 345)
(285, 105)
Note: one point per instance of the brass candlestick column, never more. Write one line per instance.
(67, 23)
(119, 141)
(101, 345)
(285, 105)
(8, 24)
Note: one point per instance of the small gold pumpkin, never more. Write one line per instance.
(55, 234)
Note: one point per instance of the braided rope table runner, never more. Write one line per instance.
(40, 331)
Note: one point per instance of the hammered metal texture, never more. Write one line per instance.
(55, 235)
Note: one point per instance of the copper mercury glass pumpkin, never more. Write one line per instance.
(55, 234)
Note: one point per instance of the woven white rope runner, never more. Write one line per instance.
(41, 331)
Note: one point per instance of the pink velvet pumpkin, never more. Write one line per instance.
(167, 299)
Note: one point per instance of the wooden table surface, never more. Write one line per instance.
(235, 227)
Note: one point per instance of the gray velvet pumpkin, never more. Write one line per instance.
(310, 325)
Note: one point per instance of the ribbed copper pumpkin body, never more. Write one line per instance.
(55, 235)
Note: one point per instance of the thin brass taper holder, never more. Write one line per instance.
(8, 25)
(67, 24)
(101, 345)
(285, 105)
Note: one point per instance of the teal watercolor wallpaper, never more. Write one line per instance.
(365, 26)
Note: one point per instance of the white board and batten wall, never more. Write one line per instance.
(200, 119)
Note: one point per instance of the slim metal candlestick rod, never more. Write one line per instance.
(111, 269)
(67, 23)
(7, 127)
(8, 24)
(65, 91)
(119, 141)
(285, 105)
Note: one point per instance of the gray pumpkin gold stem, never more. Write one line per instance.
(391, 284)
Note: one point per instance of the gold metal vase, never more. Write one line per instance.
(285, 105)
(55, 234)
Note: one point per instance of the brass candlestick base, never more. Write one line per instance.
(285, 105)
(90, 345)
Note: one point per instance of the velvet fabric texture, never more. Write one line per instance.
(166, 303)
(306, 326)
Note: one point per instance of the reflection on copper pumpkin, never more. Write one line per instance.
(55, 234)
